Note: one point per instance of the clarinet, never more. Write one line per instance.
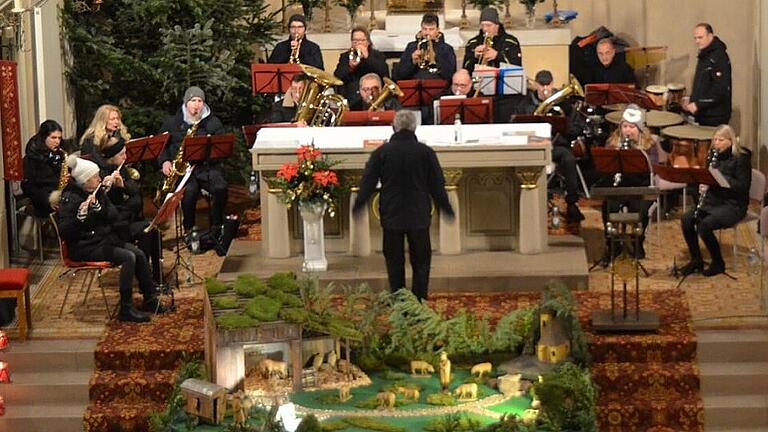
(713, 161)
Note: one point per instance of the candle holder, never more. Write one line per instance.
(463, 22)
(507, 15)
(372, 23)
(555, 22)
(327, 18)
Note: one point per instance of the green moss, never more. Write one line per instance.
(232, 320)
(263, 308)
(249, 285)
(294, 315)
(454, 422)
(287, 299)
(442, 399)
(215, 286)
(371, 423)
(328, 399)
(228, 302)
(285, 282)
(391, 375)
(334, 425)
(309, 424)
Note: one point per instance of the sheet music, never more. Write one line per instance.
(182, 183)
(719, 178)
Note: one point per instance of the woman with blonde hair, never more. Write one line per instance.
(107, 123)
(719, 206)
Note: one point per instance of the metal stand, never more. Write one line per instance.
(181, 262)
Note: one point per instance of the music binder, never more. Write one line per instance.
(418, 93)
(206, 147)
(145, 148)
(470, 110)
(272, 77)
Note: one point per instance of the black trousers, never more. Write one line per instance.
(212, 180)
(707, 222)
(566, 162)
(149, 243)
(420, 253)
(132, 262)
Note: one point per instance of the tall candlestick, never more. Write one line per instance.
(18, 7)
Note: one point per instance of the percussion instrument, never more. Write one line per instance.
(615, 107)
(675, 97)
(657, 94)
(653, 118)
(690, 145)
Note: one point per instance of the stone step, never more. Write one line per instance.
(37, 417)
(749, 345)
(46, 388)
(51, 355)
(730, 412)
(734, 378)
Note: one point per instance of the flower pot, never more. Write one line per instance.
(314, 240)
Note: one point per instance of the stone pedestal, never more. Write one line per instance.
(314, 239)
(450, 229)
(532, 238)
(274, 218)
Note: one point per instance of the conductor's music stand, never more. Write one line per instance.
(272, 78)
(419, 93)
(470, 110)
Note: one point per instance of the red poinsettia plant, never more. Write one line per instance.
(310, 179)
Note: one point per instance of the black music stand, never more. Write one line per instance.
(470, 110)
(419, 93)
(272, 77)
(145, 148)
(367, 118)
(167, 210)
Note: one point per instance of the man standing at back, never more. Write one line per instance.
(711, 94)
(411, 177)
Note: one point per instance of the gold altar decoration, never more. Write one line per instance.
(414, 6)
(529, 177)
(353, 180)
(452, 178)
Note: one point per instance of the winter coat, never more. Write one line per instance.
(712, 85)
(507, 45)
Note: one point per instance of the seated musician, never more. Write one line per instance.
(85, 218)
(195, 117)
(429, 56)
(633, 132)
(106, 123)
(125, 194)
(370, 89)
(297, 46)
(284, 110)
(461, 83)
(504, 48)
(611, 68)
(43, 159)
(561, 144)
(360, 60)
(719, 207)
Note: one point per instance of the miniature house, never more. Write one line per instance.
(554, 346)
(207, 401)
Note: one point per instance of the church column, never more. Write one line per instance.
(532, 217)
(450, 230)
(359, 224)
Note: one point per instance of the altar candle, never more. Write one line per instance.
(4, 378)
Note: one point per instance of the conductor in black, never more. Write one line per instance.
(410, 177)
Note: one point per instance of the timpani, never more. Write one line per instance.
(690, 145)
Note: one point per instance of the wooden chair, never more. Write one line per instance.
(92, 269)
(14, 283)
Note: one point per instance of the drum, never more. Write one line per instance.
(653, 119)
(675, 97)
(690, 145)
(615, 107)
(657, 94)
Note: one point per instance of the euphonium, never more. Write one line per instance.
(572, 89)
(178, 167)
(294, 57)
(390, 90)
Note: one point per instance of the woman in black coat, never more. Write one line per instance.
(719, 207)
(42, 168)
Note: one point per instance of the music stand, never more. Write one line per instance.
(470, 110)
(559, 123)
(206, 147)
(164, 214)
(272, 77)
(607, 94)
(145, 148)
(419, 93)
(367, 118)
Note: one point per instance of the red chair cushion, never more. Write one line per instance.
(13, 279)
(78, 264)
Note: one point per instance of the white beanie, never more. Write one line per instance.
(81, 169)
(633, 114)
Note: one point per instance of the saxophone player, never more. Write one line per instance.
(417, 62)
(361, 59)
(44, 163)
(308, 52)
(207, 175)
(719, 207)
(505, 48)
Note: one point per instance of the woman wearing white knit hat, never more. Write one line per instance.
(85, 218)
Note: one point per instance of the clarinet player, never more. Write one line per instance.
(719, 207)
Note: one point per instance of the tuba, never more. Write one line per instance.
(315, 108)
(548, 106)
(178, 167)
(390, 90)
(294, 56)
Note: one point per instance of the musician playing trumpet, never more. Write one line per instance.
(429, 56)
(297, 46)
(493, 45)
(86, 220)
(43, 168)
(359, 60)
(719, 206)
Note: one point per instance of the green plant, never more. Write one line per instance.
(249, 285)
(294, 315)
(568, 399)
(309, 424)
(229, 302)
(508, 423)
(162, 421)
(233, 320)
(287, 299)
(482, 4)
(263, 308)
(215, 286)
(372, 424)
(334, 425)
(453, 422)
(442, 399)
(285, 281)
(530, 4)
(512, 330)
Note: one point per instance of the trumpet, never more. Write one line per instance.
(355, 55)
(426, 48)
(294, 57)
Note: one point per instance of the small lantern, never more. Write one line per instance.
(3, 340)
(4, 376)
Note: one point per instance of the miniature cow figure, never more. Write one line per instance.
(466, 391)
(409, 393)
(344, 393)
(386, 399)
(271, 368)
(481, 368)
(419, 367)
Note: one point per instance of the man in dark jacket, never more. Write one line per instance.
(411, 177)
(504, 49)
(350, 70)
(207, 175)
(370, 89)
(610, 68)
(309, 52)
(284, 110)
(711, 94)
(409, 66)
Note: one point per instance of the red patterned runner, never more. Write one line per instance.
(9, 119)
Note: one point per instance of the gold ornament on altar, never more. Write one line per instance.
(414, 6)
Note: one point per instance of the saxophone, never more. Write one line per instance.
(178, 168)
(55, 197)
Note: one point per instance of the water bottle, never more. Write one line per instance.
(753, 262)
(194, 242)
(555, 217)
(457, 138)
(253, 185)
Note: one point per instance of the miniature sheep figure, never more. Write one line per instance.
(466, 391)
(409, 393)
(481, 368)
(317, 361)
(386, 399)
(419, 367)
(273, 367)
(344, 393)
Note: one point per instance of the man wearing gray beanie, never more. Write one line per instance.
(504, 48)
(308, 52)
(207, 175)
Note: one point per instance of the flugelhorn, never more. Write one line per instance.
(355, 55)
